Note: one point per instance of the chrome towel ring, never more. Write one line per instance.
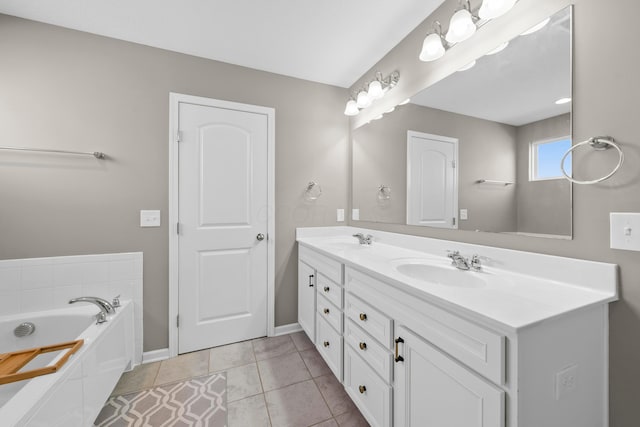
(598, 143)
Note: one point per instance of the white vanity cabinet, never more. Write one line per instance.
(320, 305)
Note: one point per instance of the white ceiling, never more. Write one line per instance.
(516, 86)
(328, 41)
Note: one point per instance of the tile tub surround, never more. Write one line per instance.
(35, 284)
(272, 382)
(529, 287)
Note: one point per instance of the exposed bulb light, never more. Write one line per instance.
(499, 48)
(491, 9)
(406, 101)
(375, 90)
(461, 26)
(363, 100)
(536, 27)
(352, 108)
(563, 101)
(432, 48)
(468, 66)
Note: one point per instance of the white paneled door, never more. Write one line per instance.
(432, 181)
(223, 218)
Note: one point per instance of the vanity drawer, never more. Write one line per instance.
(329, 345)
(378, 357)
(330, 290)
(376, 324)
(330, 313)
(368, 391)
(323, 264)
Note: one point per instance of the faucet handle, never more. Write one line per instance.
(452, 254)
(116, 301)
(475, 263)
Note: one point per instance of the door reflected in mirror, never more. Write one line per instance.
(510, 115)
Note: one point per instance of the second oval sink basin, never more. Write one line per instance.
(442, 275)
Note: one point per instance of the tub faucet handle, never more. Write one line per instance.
(115, 303)
(101, 317)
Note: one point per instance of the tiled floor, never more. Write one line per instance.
(279, 382)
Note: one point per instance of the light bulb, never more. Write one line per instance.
(499, 48)
(468, 66)
(461, 27)
(432, 48)
(536, 27)
(352, 108)
(493, 8)
(363, 100)
(375, 90)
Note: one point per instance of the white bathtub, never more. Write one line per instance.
(74, 395)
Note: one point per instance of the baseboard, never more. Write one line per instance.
(155, 355)
(287, 329)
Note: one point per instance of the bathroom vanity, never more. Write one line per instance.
(522, 342)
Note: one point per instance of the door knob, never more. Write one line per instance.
(260, 237)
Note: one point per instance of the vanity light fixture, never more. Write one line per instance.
(536, 27)
(499, 48)
(469, 66)
(563, 101)
(371, 91)
(462, 24)
(491, 9)
(433, 46)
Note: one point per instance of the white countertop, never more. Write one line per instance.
(519, 290)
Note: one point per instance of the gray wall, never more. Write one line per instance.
(486, 150)
(64, 89)
(605, 102)
(543, 206)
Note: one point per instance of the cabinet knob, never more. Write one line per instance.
(363, 346)
(363, 316)
(326, 311)
(362, 389)
(326, 289)
(326, 343)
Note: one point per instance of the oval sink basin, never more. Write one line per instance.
(441, 275)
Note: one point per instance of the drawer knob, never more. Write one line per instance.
(363, 346)
(362, 389)
(363, 316)
(326, 289)
(326, 311)
(326, 343)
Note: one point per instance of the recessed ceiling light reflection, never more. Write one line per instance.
(468, 66)
(563, 101)
(536, 27)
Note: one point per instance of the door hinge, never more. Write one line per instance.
(178, 321)
(178, 228)
(453, 220)
(179, 136)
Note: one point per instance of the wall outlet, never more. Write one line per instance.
(150, 218)
(566, 381)
(340, 215)
(464, 214)
(355, 214)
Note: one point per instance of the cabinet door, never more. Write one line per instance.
(307, 299)
(431, 389)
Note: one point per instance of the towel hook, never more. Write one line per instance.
(599, 143)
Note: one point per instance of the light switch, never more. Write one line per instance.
(340, 215)
(625, 231)
(355, 214)
(464, 214)
(150, 218)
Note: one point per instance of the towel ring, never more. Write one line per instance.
(598, 143)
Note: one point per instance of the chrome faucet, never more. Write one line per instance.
(364, 240)
(463, 263)
(104, 305)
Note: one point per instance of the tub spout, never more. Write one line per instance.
(104, 305)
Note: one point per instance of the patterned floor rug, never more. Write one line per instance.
(197, 402)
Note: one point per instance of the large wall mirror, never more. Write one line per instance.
(480, 149)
